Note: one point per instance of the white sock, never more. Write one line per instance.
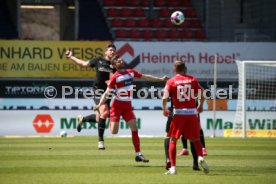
(138, 153)
(173, 168)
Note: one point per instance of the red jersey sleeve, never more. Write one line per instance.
(136, 74)
(112, 82)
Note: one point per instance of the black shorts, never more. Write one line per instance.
(97, 97)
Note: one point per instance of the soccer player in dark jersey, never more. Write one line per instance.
(103, 70)
(184, 90)
(121, 104)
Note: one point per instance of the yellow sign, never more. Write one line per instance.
(249, 133)
(47, 58)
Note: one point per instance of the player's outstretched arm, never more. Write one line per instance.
(103, 99)
(153, 78)
(69, 55)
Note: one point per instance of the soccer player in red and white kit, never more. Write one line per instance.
(121, 104)
(184, 90)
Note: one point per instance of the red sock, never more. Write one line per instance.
(136, 140)
(198, 147)
(172, 152)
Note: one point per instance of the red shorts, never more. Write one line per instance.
(121, 108)
(187, 125)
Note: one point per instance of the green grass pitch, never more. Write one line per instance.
(77, 160)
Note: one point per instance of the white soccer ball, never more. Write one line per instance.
(177, 18)
(63, 133)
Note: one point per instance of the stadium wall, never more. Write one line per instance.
(150, 123)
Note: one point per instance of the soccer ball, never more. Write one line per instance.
(63, 134)
(177, 18)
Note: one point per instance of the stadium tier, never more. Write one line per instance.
(143, 20)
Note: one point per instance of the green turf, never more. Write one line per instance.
(77, 160)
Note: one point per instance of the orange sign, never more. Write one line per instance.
(43, 123)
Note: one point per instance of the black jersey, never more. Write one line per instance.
(103, 69)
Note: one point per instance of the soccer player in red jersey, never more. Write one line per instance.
(121, 105)
(184, 90)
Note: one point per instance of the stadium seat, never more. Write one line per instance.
(129, 23)
(175, 3)
(173, 34)
(116, 22)
(142, 23)
(186, 33)
(133, 3)
(186, 3)
(144, 3)
(168, 23)
(108, 3)
(125, 12)
(121, 34)
(161, 34)
(160, 3)
(120, 3)
(139, 12)
(156, 23)
(190, 12)
(164, 13)
(200, 34)
(186, 24)
(147, 34)
(135, 34)
(112, 12)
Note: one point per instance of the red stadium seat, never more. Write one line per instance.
(144, 3)
(126, 12)
(108, 3)
(186, 24)
(160, 3)
(129, 23)
(186, 33)
(173, 34)
(200, 34)
(161, 34)
(112, 12)
(116, 22)
(164, 13)
(168, 23)
(121, 34)
(120, 3)
(175, 3)
(143, 23)
(133, 3)
(186, 3)
(147, 34)
(156, 23)
(190, 13)
(139, 12)
(135, 33)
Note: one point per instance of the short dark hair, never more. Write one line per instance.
(180, 66)
(110, 46)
